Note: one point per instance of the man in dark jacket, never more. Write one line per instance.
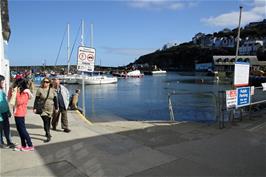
(63, 101)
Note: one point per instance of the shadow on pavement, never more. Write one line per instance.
(161, 150)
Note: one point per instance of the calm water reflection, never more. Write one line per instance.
(147, 98)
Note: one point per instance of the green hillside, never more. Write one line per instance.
(184, 56)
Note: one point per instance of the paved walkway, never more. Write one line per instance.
(130, 148)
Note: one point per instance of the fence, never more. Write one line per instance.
(194, 104)
(218, 105)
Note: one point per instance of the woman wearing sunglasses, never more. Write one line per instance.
(48, 95)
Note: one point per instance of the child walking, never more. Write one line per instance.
(22, 97)
(4, 117)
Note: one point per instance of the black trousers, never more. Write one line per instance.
(46, 125)
(6, 127)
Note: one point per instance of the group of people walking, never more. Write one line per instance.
(56, 99)
(51, 101)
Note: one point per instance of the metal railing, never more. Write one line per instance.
(257, 99)
(220, 109)
(174, 93)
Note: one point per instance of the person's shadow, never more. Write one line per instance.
(28, 126)
(32, 135)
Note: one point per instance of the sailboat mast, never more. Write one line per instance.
(82, 32)
(68, 49)
(91, 35)
(238, 33)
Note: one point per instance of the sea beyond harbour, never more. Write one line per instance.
(147, 98)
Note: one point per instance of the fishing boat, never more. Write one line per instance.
(135, 73)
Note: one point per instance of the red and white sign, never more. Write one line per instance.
(230, 98)
(86, 58)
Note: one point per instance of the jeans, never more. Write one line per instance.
(5, 128)
(22, 131)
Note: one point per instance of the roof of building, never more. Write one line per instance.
(230, 60)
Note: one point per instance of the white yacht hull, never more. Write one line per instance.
(158, 72)
(69, 79)
(98, 80)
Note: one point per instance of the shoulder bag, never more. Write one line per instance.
(40, 103)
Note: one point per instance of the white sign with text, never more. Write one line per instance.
(86, 58)
(241, 74)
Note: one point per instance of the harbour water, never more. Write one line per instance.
(147, 98)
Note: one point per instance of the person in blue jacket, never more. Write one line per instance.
(4, 117)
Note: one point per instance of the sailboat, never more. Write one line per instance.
(69, 78)
(89, 77)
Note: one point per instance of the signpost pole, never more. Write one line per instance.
(83, 82)
(86, 57)
(83, 95)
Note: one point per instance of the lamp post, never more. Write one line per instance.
(238, 33)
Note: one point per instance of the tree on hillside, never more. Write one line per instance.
(261, 53)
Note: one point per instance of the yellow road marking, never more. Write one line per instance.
(84, 118)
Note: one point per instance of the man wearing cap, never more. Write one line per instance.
(63, 101)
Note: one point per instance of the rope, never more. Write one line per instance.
(60, 47)
(77, 34)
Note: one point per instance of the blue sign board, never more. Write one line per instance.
(242, 96)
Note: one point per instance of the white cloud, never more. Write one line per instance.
(128, 51)
(256, 13)
(161, 4)
(259, 2)
(176, 6)
(259, 10)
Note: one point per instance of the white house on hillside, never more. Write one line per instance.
(169, 45)
(197, 37)
(250, 47)
(211, 41)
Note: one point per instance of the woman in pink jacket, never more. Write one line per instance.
(22, 97)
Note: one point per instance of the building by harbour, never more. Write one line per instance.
(226, 63)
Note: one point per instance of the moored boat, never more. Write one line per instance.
(135, 73)
(121, 75)
(155, 72)
(98, 80)
(69, 79)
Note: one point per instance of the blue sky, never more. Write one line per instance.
(123, 30)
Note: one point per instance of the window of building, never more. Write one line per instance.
(226, 60)
(232, 60)
(247, 60)
(240, 59)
